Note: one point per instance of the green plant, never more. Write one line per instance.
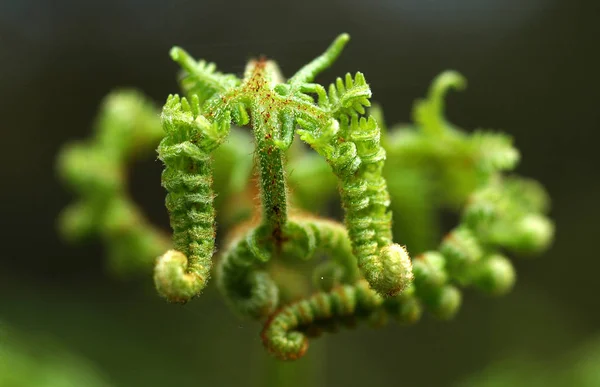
(359, 273)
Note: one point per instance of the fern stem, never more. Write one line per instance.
(273, 188)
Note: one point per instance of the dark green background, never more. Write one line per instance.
(532, 68)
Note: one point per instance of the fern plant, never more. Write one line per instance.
(225, 130)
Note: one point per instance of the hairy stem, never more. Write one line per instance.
(273, 189)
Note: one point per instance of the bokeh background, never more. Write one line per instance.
(532, 68)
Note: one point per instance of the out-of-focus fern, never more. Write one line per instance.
(96, 170)
(434, 165)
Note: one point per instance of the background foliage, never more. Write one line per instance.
(530, 70)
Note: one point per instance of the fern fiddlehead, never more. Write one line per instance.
(286, 333)
(351, 145)
(182, 273)
(275, 108)
(364, 275)
(243, 277)
(194, 136)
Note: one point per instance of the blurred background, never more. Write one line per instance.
(532, 68)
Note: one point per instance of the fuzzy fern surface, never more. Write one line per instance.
(224, 131)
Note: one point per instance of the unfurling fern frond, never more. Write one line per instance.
(285, 334)
(357, 158)
(243, 272)
(358, 271)
(190, 138)
(242, 277)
